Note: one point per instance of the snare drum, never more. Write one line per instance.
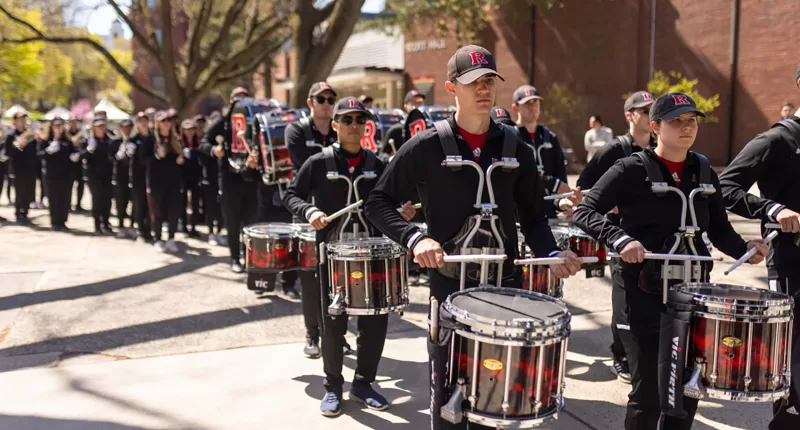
(276, 165)
(739, 337)
(306, 247)
(270, 247)
(539, 278)
(508, 355)
(585, 246)
(367, 276)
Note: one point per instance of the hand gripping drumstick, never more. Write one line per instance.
(564, 195)
(415, 206)
(750, 252)
(551, 260)
(343, 211)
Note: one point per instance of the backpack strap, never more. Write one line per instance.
(448, 141)
(510, 138)
(370, 158)
(794, 130)
(705, 169)
(547, 135)
(330, 160)
(626, 143)
(652, 168)
(305, 124)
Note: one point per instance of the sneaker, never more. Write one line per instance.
(346, 349)
(424, 279)
(181, 227)
(311, 350)
(107, 229)
(171, 246)
(122, 233)
(621, 369)
(331, 405)
(368, 396)
(236, 266)
(212, 240)
(140, 238)
(35, 205)
(160, 246)
(131, 233)
(291, 293)
(222, 240)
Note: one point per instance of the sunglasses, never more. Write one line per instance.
(348, 120)
(322, 99)
(645, 111)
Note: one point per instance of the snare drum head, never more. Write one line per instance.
(709, 291)
(305, 232)
(364, 248)
(271, 229)
(509, 305)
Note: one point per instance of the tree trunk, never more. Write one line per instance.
(316, 56)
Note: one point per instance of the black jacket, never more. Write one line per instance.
(122, 165)
(58, 164)
(192, 169)
(295, 137)
(605, 157)
(772, 159)
(448, 196)
(162, 173)
(329, 196)
(651, 219)
(138, 164)
(226, 177)
(25, 162)
(555, 169)
(100, 163)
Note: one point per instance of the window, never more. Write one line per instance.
(157, 32)
(158, 84)
(151, 4)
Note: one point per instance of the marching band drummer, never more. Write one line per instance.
(60, 156)
(647, 223)
(20, 147)
(638, 137)
(349, 119)
(771, 159)
(96, 151)
(396, 133)
(448, 196)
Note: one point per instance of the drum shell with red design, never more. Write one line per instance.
(306, 248)
(270, 247)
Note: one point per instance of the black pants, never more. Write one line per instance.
(141, 209)
(370, 341)
(211, 208)
(312, 305)
(165, 200)
(239, 208)
(10, 184)
(122, 197)
(42, 185)
(80, 179)
(782, 419)
(24, 191)
(60, 196)
(196, 196)
(619, 318)
(3, 178)
(641, 347)
(101, 189)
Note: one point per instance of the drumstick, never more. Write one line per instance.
(563, 196)
(343, 211)
(750, 252)
(673, 257)
(773, 225)
(415, 206)
(551, 260)
(474, 258)
(434, 320)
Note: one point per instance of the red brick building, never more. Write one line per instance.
(600, 50)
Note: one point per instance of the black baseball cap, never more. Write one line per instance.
(126, 123)
(638, 100)
(320, 87)
(348, 105)
(470, 63)
(410, 96)
(57, 121)
(501, 115)
(525, 93)
(672, 105)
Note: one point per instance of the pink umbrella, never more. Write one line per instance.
(80, 109)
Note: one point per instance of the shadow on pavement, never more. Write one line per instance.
(27, 422)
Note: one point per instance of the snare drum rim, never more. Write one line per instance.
(745, 396)
(529, 421)
(719, 305)
(358, 249)
(541, 338)
(250, 232)
(511, 329)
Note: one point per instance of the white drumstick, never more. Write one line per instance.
(773, 225)
(551, 260)
(415, 206)
(750, 252)
(341, 212)
(474, 258)
(672, 257)
(563, 196)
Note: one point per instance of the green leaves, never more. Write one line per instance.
(663, 83)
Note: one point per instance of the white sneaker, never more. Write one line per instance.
(172, 247)
(212, 240)
(160, 245)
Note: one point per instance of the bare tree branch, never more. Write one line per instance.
(199, 30)
(204, 61)
(167, 57)
(138, 35)
(325, 13)
(253, 65)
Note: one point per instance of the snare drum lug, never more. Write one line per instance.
(694, 388)
(747, 381)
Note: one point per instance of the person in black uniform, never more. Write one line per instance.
(3, 163)
(448, 196)
(192, 177)
(20, 147)
(210, 185)
(238, 190)
(141, 139)
(648, 222)
(771, 159)
(96, 150)
(122, 178)
(527, 104)
(396, 133)
(76, 134)
(501, 116)
(60, 156)
(164, 160)
(638, 137)
(306, 137)
(350, 117)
